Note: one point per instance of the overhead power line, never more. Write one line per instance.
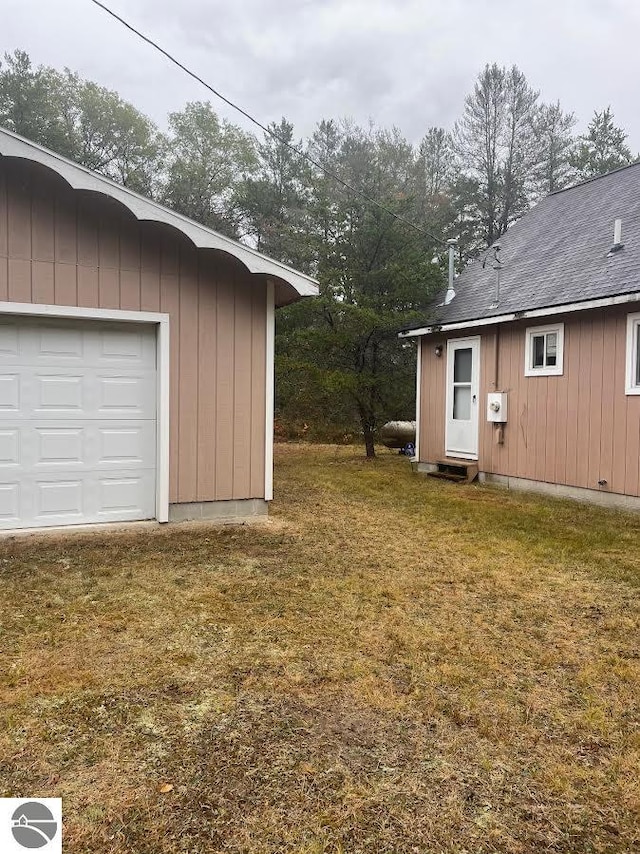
(349, 187)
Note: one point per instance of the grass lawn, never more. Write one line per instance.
(391, 664)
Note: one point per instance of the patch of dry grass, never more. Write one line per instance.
(391, 664)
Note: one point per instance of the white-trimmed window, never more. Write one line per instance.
(633, 354)
(544, 351)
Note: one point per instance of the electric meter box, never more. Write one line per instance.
(497, 407)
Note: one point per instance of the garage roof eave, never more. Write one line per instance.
(80, 178)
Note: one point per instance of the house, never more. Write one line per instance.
(136, 354)
(529, 366)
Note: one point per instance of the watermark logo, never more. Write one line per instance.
(33, 825)
(27, 825)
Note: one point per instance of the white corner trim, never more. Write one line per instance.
(70, 312)
(552, 371)
(162, 453)
(418, 385)
(269, 392)
(604, 302)
(631, 386)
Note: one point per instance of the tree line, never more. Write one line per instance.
(341, 370)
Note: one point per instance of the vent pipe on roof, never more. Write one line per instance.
(450, 295)
(617, 232)
(497, 266)
(617, 238)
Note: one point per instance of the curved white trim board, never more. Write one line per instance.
(80, 178)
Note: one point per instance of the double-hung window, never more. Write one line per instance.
(544, 351)
(633, 354)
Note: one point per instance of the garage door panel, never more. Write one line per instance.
(131, 443)
(122, 346)
(126, 345)
(8, 341)
(47, 499)
(27, 393)
(9, 393)
(38, 342)
(60, 499)
(9, 447)
(58, 342)
(126, 496)
(123, 445)
(58, 393)
(129, 395)
(60, 446)
(73, 446)
(37, 393)
(9, 504)
(77, 423)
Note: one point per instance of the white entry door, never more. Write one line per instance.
(463, 375)
(77, 422)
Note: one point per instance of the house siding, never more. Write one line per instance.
(574, 429)
(66, 248)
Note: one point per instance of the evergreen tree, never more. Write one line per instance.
(436, 163)
(553, 132)
(275, 198)
(495, 142)
(339, 359)
(602, 148)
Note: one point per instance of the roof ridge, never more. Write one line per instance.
(592, 179)
(558, 252)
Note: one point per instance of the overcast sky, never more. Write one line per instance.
(407, 63)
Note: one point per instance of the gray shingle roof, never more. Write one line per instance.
(557, 253)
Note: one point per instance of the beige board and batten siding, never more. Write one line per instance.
(574, 429)
(68, 248)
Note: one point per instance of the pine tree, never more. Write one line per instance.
(603, 148)
(553, 132)
(339, 360)
(496, 145)
(276, 196)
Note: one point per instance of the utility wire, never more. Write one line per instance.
(266, 129)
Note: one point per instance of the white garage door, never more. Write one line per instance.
(77, 422)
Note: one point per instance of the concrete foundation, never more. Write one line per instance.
(561, 490)
(235, 510)
(423, 468)
(557, 490)
(227, 512)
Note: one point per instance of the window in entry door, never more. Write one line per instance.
(462, 368)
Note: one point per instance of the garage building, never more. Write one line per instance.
(136, 354)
